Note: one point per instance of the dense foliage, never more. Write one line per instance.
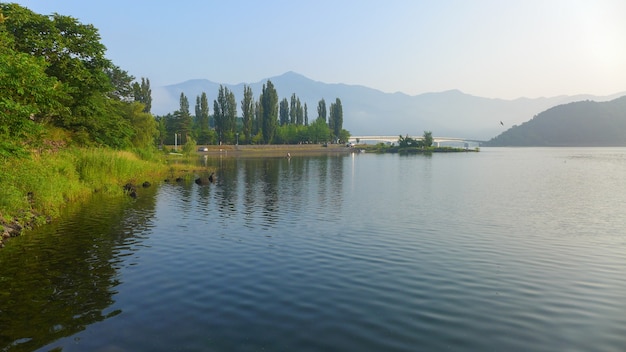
(247, 112)
(408, 142)
(225, 115)
(54, 74)
(264, 121)
(584, 124)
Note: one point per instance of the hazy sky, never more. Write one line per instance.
(497, 49)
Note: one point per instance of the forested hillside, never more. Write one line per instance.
(584, 123)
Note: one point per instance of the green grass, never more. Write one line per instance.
(43, 183)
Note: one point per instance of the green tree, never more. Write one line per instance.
(319, 131)
(189, 146)
(225, 115)
(247, 112)
(344, 136)
(335, 120)
(143, 124)
(201, 122)
(269, 111)
(171, 123)
(27, 94)
(231, 115)
(293, 109)
(306, 115)
(428, 139)
(161, 129)
(409, 142)
(121, 82)
(143, 94)
(283, 115)
(299, 113)
(73, 51)
(184, 120)
(321, 110)
(289, 134)
(91, 89)
(218, 117)
(257, 124)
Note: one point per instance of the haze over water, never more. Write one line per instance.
(506, 249)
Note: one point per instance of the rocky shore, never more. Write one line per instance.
(14, 229)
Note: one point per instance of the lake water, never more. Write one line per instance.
(505, 250)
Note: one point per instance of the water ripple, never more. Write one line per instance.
(513, 251)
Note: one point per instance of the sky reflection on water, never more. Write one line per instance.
(508, 249)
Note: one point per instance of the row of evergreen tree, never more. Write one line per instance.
(262, 121)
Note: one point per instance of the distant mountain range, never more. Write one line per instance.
(369, 111)
(584, 124)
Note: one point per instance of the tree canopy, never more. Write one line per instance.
(269, 112)
(53, 72)
(335, 120)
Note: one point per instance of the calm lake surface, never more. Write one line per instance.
(505, 250)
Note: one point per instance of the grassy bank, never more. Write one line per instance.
(35, 189)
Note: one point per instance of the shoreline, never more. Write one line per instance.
(32, 217)
(42, 184)
(274, 150)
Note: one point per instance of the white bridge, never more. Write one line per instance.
(437, 141)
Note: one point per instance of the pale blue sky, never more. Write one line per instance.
(490, 48)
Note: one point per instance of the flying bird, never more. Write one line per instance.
(501, 123)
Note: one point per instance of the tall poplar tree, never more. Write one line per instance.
(269, 111)
(225, 114)
(257, 124)
(299, 113)
(143, 94)
(202, 119)
(247, 113)
(231, 114)
(293, 109)
(198, 113)
(283, 114)
(183, 118)
(219, 114)
(306, 115)
(335, 120)
(321, 110)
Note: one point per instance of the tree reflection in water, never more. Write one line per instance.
(60, 278)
